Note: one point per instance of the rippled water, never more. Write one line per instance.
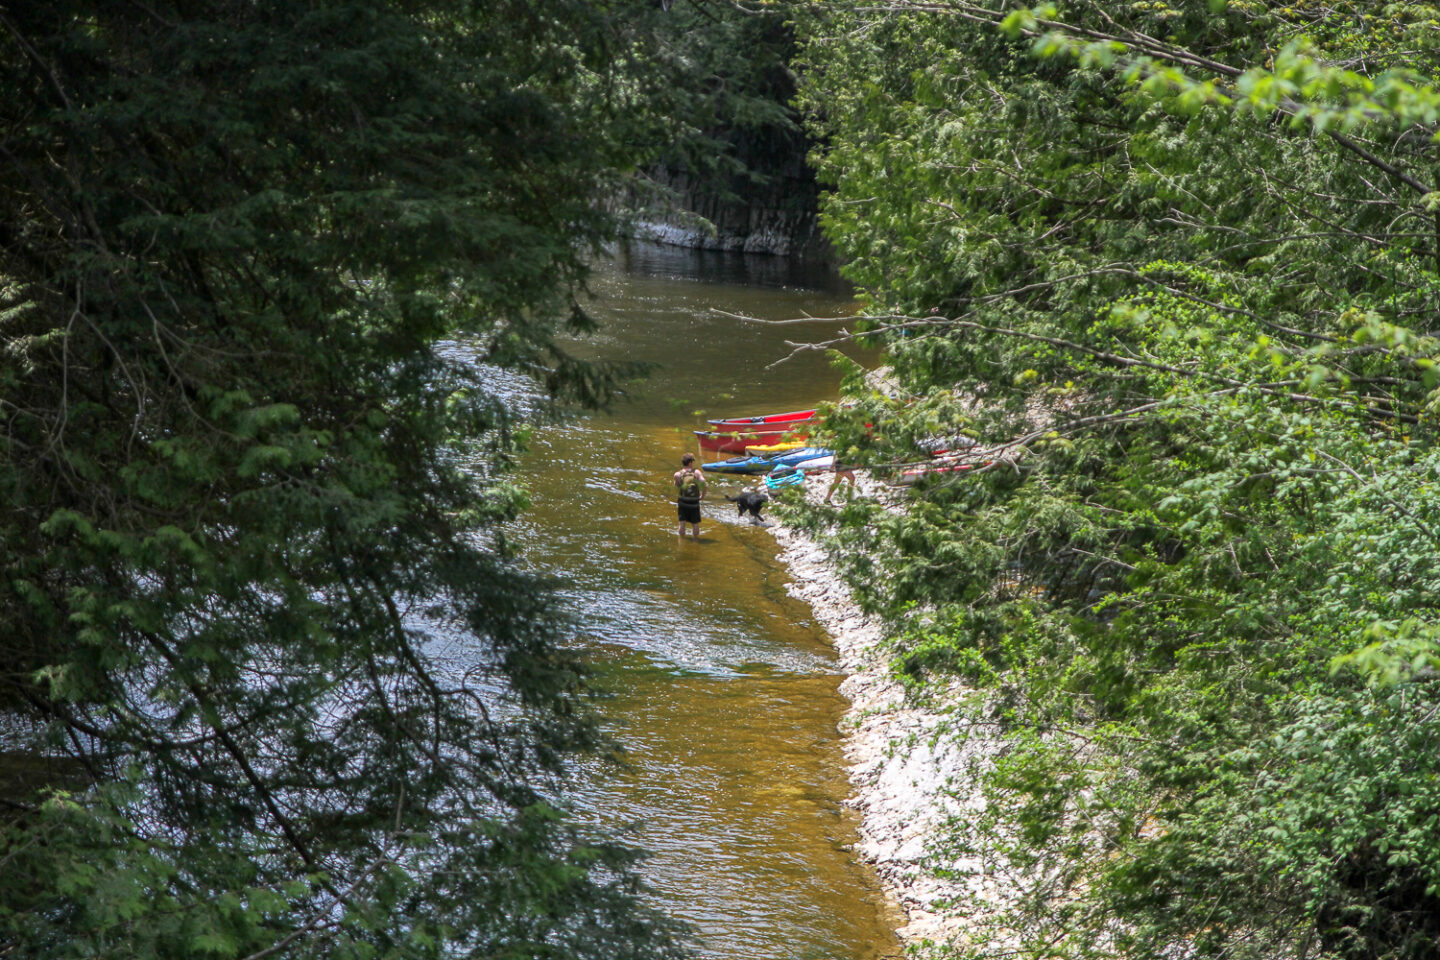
(722, 688)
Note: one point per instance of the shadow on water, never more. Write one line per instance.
(686, 265)
(722, 688)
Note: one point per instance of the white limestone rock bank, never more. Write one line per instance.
(899, 770)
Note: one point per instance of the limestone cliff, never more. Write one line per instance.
(774, 213)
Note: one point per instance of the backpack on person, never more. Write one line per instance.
(690, 481)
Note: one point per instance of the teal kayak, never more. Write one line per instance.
(740, 465)
(782, 477)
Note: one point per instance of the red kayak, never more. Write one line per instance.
(908, 477)
(735, 441)
(769, 419)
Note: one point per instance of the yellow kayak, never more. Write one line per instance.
(765, 449)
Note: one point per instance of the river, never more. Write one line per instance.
(721, 688)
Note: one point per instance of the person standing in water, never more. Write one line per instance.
(690, 490)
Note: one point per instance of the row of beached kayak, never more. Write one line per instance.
(772, 431)
(772, 444)
(775, 445)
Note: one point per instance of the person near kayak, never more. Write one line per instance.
(690, 490)
(841, 473)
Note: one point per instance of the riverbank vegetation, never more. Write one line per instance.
(1177, 267)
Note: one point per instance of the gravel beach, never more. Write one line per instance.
(898, 774)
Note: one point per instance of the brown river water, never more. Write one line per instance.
(721, 688)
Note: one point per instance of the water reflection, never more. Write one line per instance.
(682, 264)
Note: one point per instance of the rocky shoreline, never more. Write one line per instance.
(900, 770)
(765, 238)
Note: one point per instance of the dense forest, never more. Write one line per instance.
(245, 497)
(1173, 265)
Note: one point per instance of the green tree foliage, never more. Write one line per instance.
(738, 144)
(736, 124)
(270, 687)
(1175, 265)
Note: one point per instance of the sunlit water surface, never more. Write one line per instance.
(723, 689)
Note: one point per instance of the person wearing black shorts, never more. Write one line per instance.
(689, 490)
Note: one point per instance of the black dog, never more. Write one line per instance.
(750, 502)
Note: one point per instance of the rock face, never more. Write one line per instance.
(905, 778)
(778, 216)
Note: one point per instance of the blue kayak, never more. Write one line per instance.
(791, 458)
(740, 465)
(765, 464)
